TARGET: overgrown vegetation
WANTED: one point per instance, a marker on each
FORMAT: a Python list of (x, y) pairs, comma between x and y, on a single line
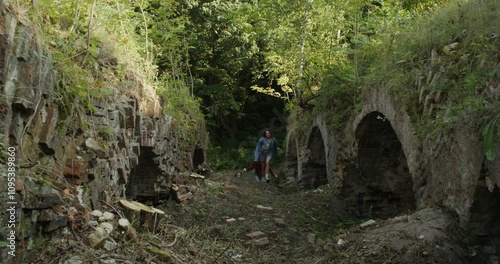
[(444, 68), (100, 48)]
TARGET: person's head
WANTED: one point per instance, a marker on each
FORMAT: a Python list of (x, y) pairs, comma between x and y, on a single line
[(267, 133)]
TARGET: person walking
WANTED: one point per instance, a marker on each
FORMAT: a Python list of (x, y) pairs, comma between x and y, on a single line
[(266, 146)]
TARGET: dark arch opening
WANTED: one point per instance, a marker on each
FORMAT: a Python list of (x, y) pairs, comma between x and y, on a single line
[(485, 216), (198, 157), (143, 184), (314, 169), (386, 185)]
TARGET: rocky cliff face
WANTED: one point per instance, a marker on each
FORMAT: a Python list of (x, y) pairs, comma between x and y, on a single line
[(69, 160)]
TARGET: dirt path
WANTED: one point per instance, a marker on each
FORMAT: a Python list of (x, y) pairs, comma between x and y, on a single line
[(296, 226), (306, 227)]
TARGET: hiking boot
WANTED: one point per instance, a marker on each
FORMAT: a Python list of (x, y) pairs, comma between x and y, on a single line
[(267, 178)]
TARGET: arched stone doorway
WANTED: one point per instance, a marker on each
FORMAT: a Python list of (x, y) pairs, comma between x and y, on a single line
[(384, 187), (198, 157), (485, 217), (314, 172), (144, 180)]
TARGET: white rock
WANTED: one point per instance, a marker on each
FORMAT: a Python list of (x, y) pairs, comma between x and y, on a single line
[(340, 242), (421, 237), (96, 213), (108, 216), (241, 218), (230, 220)]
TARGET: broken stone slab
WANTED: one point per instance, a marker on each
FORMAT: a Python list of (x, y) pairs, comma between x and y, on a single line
[(47, 138), (367, 223), (93, 146), (279, 222), (261, 242), (264, 208), (40, 196), (255, 235)]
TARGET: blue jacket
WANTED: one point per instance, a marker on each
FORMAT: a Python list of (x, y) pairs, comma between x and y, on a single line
[(261, 146)]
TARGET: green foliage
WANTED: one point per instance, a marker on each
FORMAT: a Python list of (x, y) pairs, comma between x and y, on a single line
[(488, 134), (3, 244), (185, 109), (404, 60)]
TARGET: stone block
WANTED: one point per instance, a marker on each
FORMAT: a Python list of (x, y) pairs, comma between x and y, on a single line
[(279, 222), (47, 138), (76, 172), (46, 215), (15, 129), (58, 222), (25, 98), (39, 196), (261, 242), (24, 43), (129, 113), (264, 208)]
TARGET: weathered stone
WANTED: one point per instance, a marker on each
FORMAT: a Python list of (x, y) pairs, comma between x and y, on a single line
[(279, 222), (40, 197), (92, 145), (261, 242), (129, 113), (255, 235), (76, 172), (47, 215), (264, 208), (58, 222), (25, 97)]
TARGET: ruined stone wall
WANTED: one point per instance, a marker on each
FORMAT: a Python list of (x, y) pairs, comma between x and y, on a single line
[(311, 157), (445, 169), (71, 161)]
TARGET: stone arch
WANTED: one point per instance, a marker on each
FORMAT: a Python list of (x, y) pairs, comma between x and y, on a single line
[(198, 156), (314, 171), (384, 186), (484, 214), (379, 101), (292, 165)]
